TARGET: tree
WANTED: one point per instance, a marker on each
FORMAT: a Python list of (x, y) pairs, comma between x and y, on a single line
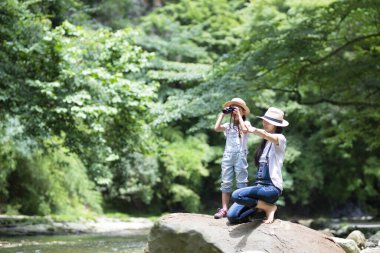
[(318, 61), (79, 85)]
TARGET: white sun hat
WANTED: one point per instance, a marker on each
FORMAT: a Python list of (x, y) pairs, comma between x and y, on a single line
[(275, 117)]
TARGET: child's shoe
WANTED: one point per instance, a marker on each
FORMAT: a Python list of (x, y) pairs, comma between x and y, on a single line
[(220, 214)]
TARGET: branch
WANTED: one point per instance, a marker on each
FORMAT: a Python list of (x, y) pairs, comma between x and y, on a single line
[(340, 103), (299, 99), (373, 93), (336, 51)]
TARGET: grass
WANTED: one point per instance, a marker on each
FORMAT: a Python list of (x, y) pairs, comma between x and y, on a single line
[(127, 217)]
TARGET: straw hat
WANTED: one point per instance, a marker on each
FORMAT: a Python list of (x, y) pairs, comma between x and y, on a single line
[(238, 102), (274, 116)]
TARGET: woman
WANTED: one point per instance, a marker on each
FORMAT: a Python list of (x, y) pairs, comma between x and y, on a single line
[(269, 158)]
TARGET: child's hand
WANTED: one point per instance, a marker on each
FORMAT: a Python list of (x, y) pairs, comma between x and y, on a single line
[(237, 111)]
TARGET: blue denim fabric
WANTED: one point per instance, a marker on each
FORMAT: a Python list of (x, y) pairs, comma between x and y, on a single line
[(246, 198), (262, 175), (234, 164), (249, 196), (240, 213)]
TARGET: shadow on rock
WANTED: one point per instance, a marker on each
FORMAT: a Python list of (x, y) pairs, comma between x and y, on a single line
[(244, 231)]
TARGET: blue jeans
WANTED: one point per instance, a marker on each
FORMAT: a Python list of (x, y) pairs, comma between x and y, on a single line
[(246, 200), (240, 213), (249, 196)]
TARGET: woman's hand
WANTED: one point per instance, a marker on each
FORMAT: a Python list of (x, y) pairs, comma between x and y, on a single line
[(251, 129)]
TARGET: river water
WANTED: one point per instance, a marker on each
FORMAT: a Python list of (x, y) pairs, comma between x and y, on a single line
[(74, 244)]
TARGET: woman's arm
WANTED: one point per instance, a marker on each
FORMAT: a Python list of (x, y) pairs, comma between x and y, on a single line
[(264, 134), (218, 127)]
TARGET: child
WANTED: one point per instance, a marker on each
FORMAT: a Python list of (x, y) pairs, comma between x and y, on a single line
[(234, 160)]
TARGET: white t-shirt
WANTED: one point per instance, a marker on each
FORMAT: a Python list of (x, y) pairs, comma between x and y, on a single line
[(234, 143), (276, 159)]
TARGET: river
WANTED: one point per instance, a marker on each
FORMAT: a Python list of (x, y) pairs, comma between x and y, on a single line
[(74, 244)]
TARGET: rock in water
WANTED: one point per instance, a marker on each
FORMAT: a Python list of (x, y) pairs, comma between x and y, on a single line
[(189, 233), (358, 237)]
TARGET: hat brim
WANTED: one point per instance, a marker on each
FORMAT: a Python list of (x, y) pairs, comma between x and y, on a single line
[(246, 109), (283, 124)]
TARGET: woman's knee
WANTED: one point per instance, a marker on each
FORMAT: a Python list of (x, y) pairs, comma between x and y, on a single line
[(235, 195), (269, 194), (233, 219), (234, 212)]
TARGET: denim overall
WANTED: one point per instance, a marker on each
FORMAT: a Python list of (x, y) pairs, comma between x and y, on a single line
[(234, 162), (246, 199), (262, 175)]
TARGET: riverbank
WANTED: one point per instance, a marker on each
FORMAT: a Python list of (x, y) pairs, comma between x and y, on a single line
[(13, 225), (19, 225)]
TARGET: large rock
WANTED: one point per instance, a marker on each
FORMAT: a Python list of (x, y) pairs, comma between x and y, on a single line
[(184, 233)]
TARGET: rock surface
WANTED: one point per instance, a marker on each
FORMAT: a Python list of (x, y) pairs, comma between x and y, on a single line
[(375, 239), (358, 237), (348, 245), (370, 250), (184, 233)]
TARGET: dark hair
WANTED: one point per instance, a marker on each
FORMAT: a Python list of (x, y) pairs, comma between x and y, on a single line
[(233, 116), (260, 149)]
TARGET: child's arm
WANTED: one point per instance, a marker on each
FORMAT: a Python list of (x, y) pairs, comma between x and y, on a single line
[(242, 124), (247, 125), (264, 134), (218, 127)]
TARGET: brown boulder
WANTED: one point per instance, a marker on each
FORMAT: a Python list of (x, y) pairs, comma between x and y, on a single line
[(182, 232)]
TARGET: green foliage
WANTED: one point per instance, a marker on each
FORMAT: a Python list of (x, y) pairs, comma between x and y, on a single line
[(51, 182), (80, 103), (116, 14), (186, 197), (184, 161), (82, 86), (185, 158), (13, 144), (74, 81), (193, 30), (319, 61), (135, 178), (100, 97), (177, 74), (56, 11)]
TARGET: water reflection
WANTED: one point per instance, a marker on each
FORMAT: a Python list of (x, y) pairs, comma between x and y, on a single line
[(74, 244)]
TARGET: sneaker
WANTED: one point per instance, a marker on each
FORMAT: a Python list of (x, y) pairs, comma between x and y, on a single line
[(220, 214)]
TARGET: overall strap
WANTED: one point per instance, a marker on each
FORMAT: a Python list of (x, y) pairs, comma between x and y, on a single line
[(267, 156)]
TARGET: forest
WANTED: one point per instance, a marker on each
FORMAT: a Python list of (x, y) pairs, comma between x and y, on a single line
[(111, 104)]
